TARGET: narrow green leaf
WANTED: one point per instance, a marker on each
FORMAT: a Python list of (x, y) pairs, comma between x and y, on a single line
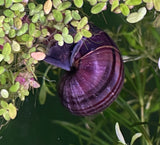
[(98, 8), (42, 94), (119, 134), (135, 137)]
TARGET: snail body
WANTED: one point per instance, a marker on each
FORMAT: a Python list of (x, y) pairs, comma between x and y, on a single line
[(95, 74)]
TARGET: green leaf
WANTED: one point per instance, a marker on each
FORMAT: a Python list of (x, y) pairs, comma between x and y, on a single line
[(65, 31), (8, 3), (2, 40), (76, 15), (35, 18), (77, 37), (68, 39), (12, 33), (3, 79), (137, 16), (86, 33), (60, 43), (6, 27), (14, 88), (38, 8), (56, 3), (82, 23), (18, 23), (68, 18), (23, 30), (6, 116), (25, 37), (92, 2), (12, 111), (6, 49), (32, 28), (8, 13), (57, 15), (42, 94), (74, 23), (63, 6), (17, 7), (156, 5), (98, 8), (133, 2), (4, 93), (135, 137), (119, 134), (37, 33), (2, 34), (4, 104), (15, 46), (2, 70), (124, 9), (115, 4), (17, 1), (58, 37), (44, 32), (78, 3), (1, 2), (31, 6), (2, 111), (1, 58)]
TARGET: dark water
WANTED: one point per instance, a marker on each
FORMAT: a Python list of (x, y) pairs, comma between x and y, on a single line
[(33, 125)]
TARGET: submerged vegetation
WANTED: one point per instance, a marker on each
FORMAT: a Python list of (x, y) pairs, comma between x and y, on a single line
[(29, 28)]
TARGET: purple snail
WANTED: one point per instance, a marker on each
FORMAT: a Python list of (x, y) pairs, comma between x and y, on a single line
[(95, 73)]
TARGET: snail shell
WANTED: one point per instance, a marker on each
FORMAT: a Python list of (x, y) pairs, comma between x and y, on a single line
[(95, 73)]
